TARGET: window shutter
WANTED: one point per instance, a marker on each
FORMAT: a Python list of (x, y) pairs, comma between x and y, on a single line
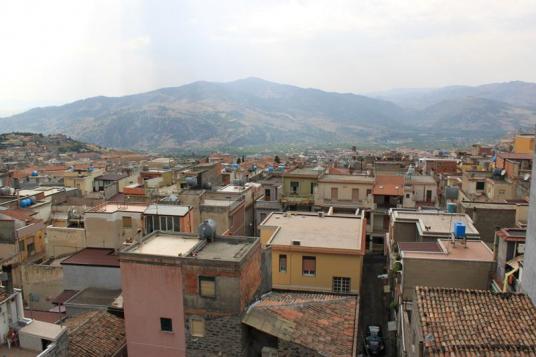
[(208, 287), (198, 327), (309, 264)]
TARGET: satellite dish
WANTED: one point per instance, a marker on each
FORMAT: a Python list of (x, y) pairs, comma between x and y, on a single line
[(503, 172)]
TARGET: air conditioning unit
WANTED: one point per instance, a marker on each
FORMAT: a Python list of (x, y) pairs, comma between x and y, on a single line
[(296, 242)]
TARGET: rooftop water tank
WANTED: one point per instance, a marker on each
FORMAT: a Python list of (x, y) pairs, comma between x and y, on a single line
[(25, 202), (191, 181), (452, 207), (207, 229), (6, 191), (451, 193), (459, 230), (270, 169), (35, 173)]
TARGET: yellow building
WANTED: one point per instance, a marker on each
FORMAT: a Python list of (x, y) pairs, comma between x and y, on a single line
[(299, 187), (524, 144), (315, 252), (81, 179)]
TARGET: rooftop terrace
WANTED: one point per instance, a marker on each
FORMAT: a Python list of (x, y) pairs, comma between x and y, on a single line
[(445, 250), (311, 230), (187, 245)]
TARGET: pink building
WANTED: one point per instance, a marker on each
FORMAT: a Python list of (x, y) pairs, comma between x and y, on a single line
[(185, 295)]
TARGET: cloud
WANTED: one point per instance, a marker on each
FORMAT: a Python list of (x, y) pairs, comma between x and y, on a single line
[(137, 43)]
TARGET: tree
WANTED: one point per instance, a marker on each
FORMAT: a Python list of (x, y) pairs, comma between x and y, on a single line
[(277, 159), (238, 161)]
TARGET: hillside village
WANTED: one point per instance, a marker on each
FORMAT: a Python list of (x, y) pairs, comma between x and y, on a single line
[(115, 253)]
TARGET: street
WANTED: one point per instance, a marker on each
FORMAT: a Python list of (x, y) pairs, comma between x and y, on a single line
[(373, 304)]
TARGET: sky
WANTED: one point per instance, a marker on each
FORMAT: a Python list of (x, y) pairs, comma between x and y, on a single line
[(58, 51)]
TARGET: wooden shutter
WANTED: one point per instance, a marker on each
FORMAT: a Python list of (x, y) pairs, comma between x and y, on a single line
[(197, 327)]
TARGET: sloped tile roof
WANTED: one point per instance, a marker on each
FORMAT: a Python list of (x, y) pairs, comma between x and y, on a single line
[(321, 322), (389, 185), (95, 333), (465, 322)]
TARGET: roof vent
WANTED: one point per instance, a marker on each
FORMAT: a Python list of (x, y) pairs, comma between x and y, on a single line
[(296, 242)]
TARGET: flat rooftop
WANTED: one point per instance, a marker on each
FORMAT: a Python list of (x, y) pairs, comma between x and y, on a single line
[(103, 257), (167, 210), (43, 329), (112, 207), (233, 189), (170, 245), (187, 245), (94, 296), (471, 250), (430, 223), (335, 232), (347, 179), (307, 171), (225, 248), (219, 203)]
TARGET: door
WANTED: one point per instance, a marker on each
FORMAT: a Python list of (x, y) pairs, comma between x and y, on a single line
[(334, 193), (428, 195), (355, 194)]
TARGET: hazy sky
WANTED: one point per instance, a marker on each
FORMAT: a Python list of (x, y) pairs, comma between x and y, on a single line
[(58, 51)]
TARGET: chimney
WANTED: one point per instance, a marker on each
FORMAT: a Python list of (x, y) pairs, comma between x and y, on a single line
[(7, 278)]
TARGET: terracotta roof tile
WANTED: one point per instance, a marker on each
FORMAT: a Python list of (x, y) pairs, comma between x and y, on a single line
[(322, 322), (476, 322), (95, 333), (389, 185)]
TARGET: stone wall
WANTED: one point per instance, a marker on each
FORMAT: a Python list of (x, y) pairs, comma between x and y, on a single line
[(224, 336)]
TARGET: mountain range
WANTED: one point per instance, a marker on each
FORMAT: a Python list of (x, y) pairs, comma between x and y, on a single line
[(254, 112)]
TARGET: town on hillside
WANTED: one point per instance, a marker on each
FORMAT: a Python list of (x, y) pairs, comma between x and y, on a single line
[(339, 252)]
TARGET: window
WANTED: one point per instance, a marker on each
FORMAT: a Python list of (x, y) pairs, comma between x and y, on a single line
[(334, 193), (22, 246), (31, 249), (127, 222), (294, 186), (369, 191), (267, 194), (480, 185), (176, 224), (166, 324), (341, 284), (197, 327), (312, 188), (207, 286), (408, 195), (282, 263), (309, 266)]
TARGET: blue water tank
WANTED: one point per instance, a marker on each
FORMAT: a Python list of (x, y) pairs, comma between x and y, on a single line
[(459, 229), (270, 169), (35, 173), (281, 167), (25, 202), (452, 207)]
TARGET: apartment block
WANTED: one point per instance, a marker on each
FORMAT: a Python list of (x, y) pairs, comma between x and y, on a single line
[(315, 252), (299, 188), (184, 294), (444, 263)]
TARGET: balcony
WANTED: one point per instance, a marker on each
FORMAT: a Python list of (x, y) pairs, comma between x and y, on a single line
[(294, 198)]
